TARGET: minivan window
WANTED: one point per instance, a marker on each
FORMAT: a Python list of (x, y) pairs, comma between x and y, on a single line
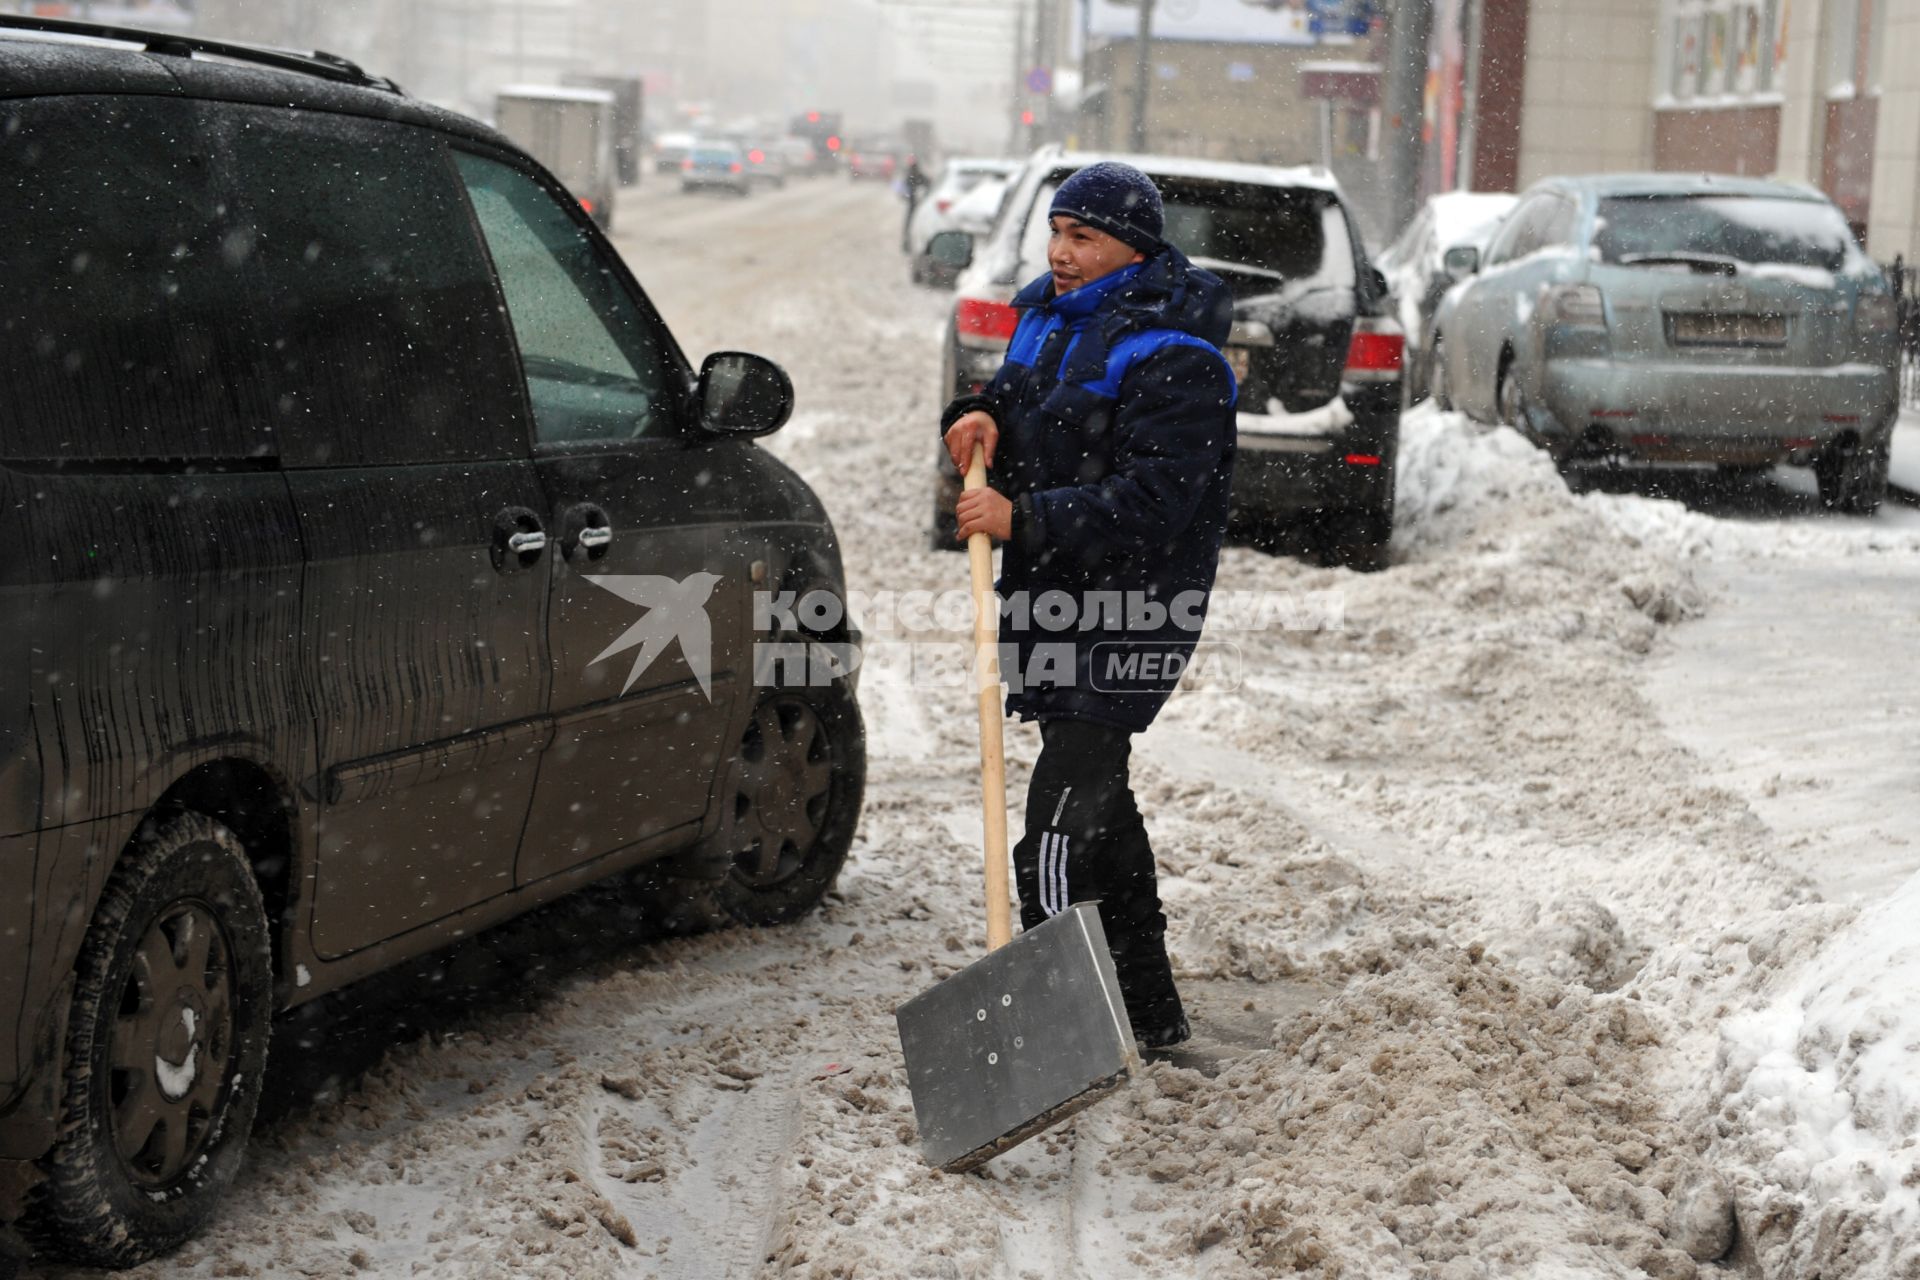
[(127, 326), (1760, 229), (595, 371), (384, 342)]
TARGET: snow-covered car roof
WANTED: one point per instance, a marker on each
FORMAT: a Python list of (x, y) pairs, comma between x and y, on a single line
[(556, 93), (1682, 184), (982, 164), (1311, 176), (1468, 217)]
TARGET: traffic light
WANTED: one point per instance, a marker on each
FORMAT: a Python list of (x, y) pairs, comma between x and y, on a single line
[(1026, 118)]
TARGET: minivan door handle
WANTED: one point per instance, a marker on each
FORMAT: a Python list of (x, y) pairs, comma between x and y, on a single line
[(518, 539), (586, 531)]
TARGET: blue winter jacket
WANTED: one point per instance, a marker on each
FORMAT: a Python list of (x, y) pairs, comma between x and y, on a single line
[(1116, 417)]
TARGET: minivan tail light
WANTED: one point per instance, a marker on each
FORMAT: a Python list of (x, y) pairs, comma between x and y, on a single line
[(982, 318), (1375, 353), (1577, 304)]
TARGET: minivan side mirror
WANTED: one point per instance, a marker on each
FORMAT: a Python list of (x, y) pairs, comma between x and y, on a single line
[(743, 395), (951, 250), (1461, 261)]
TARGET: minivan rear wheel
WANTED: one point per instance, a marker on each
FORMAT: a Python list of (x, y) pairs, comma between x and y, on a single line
[(166, 1044)]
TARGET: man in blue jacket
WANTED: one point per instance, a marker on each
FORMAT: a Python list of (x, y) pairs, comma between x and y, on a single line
[(1109, 440)]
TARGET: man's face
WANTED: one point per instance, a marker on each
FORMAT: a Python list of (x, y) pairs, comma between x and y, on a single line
[(1080, 254)]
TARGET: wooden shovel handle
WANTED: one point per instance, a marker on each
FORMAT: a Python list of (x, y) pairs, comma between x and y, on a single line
[(993, 759)]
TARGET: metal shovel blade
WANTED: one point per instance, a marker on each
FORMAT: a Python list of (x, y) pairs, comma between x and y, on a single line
[(1016, 1042)]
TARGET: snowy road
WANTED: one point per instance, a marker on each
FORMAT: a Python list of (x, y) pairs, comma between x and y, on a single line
[(1477, 908)]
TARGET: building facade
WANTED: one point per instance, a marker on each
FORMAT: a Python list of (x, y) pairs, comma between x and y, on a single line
[(1825, 92)]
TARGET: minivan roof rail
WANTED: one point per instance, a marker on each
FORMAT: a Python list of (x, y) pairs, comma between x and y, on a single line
[(314, 62)]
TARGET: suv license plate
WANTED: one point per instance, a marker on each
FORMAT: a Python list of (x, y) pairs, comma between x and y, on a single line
[(1729, 329)]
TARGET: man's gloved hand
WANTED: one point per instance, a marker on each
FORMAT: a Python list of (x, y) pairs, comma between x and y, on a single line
[(967, 430)]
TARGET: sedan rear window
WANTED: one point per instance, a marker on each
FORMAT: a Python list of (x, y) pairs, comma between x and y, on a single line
[(1761, 229)]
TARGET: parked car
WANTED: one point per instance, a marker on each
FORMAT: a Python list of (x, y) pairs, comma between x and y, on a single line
[(570, 131), (1665, 318), (711, 165), (670, 150), (934, 213), (880, 158), (767, 163), (1313, 344), (974, 213), (381, 570), (798, 153), (1416, 271)]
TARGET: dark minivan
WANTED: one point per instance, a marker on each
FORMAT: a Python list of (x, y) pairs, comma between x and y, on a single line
[(380, 569)]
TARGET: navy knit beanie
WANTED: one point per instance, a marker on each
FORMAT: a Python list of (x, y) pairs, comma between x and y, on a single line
[(1116, 198)]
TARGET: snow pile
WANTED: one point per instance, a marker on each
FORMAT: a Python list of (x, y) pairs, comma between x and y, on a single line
[(1819, 1102), (1443, 1115), (1462, 484), (1495, 514)]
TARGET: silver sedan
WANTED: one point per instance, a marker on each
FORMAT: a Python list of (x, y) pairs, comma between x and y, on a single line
[(1667, 318)]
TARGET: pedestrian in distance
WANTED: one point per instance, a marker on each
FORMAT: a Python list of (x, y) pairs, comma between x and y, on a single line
[(1109, 441), (916, 185)]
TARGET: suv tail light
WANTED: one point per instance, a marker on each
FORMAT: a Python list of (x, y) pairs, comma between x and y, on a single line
[(1577, 304), (1875, 313), (984, 318), (1376, 350), (687, 164)]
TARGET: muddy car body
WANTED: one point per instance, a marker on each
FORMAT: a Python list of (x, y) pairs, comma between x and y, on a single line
[(344, 512)]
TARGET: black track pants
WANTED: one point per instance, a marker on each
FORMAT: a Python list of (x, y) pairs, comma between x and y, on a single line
[(1085, 840)]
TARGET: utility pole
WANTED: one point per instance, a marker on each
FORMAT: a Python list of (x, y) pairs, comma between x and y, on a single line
[(1142, 74), (1403, 85), (1018, 84), (1043, 20)]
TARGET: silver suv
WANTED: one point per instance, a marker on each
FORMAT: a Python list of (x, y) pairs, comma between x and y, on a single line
[(1664, 318)]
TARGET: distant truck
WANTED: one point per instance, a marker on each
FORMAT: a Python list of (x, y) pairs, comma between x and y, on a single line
[(628, 116), (919, 139), (569, 130)]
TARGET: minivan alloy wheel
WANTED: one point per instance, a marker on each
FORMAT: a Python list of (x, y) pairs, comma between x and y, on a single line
[(799, 777), (784, 788)]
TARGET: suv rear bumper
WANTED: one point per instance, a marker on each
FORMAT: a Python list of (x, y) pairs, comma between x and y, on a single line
[(1298, 476), (1672, 411)]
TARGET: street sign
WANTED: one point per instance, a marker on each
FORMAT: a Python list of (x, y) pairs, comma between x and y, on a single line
[(1039, 80)]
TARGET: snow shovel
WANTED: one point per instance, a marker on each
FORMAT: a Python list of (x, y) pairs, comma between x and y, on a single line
[(1036, 1031)]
